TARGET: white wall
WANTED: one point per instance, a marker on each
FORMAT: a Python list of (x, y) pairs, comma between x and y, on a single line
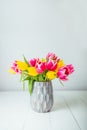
[(36, 27)]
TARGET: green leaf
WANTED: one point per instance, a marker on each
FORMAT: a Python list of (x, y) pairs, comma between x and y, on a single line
[(26, 60), (22, 74), (40, 78), (30, 85), (26, 78)]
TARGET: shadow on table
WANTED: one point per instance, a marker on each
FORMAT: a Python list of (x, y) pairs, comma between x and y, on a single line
[(71, 102)]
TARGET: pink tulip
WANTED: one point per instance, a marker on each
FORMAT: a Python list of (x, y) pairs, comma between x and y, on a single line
[(15, 68), (32, 62), (70, 68), (51, 65), (64, 72), (40, 67), (52, 56)]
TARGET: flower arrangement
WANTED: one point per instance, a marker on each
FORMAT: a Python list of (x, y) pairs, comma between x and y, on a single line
[(41, 70)]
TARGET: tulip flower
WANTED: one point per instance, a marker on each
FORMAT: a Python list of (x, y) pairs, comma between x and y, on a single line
[(32, 71), (52, 56), (64, 72), (14, 68), (51, 75), (21, 65), (32, 62), (40, 67), (70, 68), (60, 64), (51, 65)]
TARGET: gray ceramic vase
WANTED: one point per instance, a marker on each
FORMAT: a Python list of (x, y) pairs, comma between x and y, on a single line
[(41, 98)]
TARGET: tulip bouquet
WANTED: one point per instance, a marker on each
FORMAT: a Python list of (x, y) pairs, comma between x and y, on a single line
[(41, 70)]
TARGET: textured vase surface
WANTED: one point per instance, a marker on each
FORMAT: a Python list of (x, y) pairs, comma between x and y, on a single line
[(42, 97)]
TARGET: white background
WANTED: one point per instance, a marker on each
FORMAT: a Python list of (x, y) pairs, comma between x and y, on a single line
[(36, 27)]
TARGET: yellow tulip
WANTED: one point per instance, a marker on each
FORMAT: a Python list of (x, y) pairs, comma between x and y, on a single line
[(32, 71), (51, 75), (43, 60), (60, 64), (22, 65), (11, 71)]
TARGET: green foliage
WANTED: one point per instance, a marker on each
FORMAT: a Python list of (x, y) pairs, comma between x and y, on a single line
[(26, 60), (30, 85), (31, 79)]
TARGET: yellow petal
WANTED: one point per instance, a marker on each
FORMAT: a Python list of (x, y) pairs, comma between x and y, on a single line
[(22, 65), (51, 75), (32, 71), (11, 71), (43, 60), (60, 64)]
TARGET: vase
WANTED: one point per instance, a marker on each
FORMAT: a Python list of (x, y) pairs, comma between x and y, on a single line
[(41, 99)]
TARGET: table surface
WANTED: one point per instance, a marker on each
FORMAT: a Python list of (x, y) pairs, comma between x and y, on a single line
[(69, 112)]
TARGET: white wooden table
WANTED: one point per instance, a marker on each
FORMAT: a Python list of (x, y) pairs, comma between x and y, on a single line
[(68, 113)]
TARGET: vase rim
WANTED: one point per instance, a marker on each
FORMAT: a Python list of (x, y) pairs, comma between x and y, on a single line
[(43, 81)]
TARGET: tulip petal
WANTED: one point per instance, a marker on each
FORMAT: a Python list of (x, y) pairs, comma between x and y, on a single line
[(22, 65), (51, 75), (11, 71), (32, 71)]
